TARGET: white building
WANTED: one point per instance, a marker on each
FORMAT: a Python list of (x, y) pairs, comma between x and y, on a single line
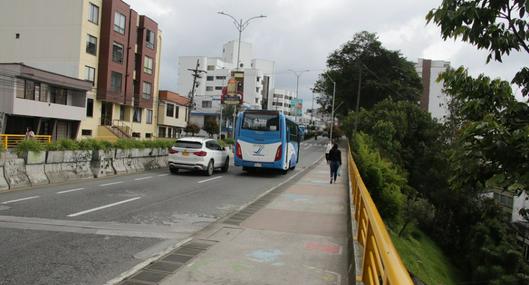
[(281, 100), (258, 79), (433, 99)]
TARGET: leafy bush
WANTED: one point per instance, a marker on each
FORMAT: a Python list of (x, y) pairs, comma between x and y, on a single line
[(192, 128), (68, 144), (124, 144), (229, 141), (384, 181), (29, 145)]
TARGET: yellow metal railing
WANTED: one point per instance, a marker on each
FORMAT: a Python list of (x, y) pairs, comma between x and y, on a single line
[(11, 141), (381, 262)]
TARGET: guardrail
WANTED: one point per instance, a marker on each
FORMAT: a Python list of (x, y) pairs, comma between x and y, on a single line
[(381, 261), (11, 141)]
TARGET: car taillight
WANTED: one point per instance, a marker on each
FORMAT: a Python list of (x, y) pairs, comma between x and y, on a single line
[(200, 153), (172, 150), (279, 152), (238, 153)]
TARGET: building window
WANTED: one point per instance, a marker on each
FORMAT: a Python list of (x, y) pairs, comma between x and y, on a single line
[(209, 88), (169, 132), (149, 116), (257, 89), (91, 45), (206, 104), (210, 78), (136, 135), (29, 90), (93, 13), (44, 92), (218, 87), (177, 112), (161, 132), (89, 107), (211, 67), (148, 135), (137, 115), (149, 39), (169, 112), (117, 53), (119, 23), (85, 132), (147, 90), (147, 65), (115, 83), (221, 77), (58, 95), (122, 112), (90, 74)]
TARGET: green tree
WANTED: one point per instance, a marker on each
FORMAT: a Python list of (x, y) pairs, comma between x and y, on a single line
[(384, 74), (192, 129), (211, 126), (500, 27)]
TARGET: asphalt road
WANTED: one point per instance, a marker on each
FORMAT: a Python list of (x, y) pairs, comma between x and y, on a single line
[(93, 231)]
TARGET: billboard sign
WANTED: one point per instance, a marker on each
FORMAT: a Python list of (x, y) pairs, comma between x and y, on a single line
[(232, 94), (296, 106)]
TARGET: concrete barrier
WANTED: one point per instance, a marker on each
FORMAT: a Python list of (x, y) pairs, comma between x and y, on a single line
[(35, 167), (3, 182), (121, 161), (15, 173), (69, 164), (101, 163)]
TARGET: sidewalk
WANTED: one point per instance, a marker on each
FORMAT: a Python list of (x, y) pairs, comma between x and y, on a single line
[(294, 235)]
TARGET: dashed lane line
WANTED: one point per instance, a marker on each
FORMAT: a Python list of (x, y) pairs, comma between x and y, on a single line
[(143, 178), (111, 183), (161, 175), (202, 181), (21, 199), (102, 207), (71, 190)]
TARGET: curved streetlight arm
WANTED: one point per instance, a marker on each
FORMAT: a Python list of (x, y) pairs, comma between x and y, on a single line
[(235, 21), (247, 22)]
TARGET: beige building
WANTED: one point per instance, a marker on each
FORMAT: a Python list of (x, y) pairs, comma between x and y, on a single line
[(172, 114), (103, 41)]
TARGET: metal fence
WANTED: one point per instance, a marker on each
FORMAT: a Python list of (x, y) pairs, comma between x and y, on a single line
[(11, 141), (381, 261)]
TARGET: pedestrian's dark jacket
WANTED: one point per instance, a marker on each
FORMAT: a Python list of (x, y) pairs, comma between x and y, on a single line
[(335, 155)]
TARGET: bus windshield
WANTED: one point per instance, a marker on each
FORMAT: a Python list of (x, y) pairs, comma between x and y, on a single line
[(261, 122)]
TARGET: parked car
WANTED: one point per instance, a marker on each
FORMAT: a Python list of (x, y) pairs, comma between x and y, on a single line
[(198, 154)]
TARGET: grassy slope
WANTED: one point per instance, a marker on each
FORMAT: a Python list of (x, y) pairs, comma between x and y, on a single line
[(425, 259)]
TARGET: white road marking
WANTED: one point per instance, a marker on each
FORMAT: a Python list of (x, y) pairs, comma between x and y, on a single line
[(202, 181), (307, 147), (103, 207), (71, 190), (161, 175), (143, 178), (112, 183), (21, 199)]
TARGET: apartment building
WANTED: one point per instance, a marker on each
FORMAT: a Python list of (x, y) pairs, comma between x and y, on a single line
[(172, 114), (281, 101), (102, 41), (258, 80), (433, 99), (48, 103)]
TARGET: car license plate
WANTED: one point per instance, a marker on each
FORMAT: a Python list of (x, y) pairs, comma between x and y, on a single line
[(257, 165), (185, 153)]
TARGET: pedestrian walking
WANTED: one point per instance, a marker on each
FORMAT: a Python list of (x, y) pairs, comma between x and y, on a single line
[(335, 161), (29, 133)]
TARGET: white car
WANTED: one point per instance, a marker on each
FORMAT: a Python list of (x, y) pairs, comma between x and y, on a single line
[(198, 154)]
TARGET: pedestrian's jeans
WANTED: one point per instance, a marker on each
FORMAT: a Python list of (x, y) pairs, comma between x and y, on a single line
[(334, 169)]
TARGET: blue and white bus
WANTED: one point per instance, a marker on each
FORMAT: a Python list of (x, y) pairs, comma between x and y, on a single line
[(266, 139)]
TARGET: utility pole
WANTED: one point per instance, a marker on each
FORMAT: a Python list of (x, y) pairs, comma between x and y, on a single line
[(196, 74), (358, 96), (312, 110), (298, 74)]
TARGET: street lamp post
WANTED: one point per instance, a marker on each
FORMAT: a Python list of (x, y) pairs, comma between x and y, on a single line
[(298, 75), (333, 96), (240, 25)]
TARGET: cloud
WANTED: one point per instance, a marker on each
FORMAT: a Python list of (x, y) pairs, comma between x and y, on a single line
[(301, 34)]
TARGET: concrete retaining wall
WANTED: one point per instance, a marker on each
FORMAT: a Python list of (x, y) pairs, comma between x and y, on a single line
[(67, 165), (60, 166), (102, 163), (35, 167)]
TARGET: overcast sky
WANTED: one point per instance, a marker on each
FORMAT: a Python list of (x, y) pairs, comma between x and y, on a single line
[(300, 34)]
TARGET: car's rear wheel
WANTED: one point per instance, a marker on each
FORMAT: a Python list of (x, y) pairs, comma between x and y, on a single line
[(209, 169), (173, 170), (226, 165)]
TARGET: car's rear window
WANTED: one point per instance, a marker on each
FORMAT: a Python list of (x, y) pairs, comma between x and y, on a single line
[(188, 144)]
